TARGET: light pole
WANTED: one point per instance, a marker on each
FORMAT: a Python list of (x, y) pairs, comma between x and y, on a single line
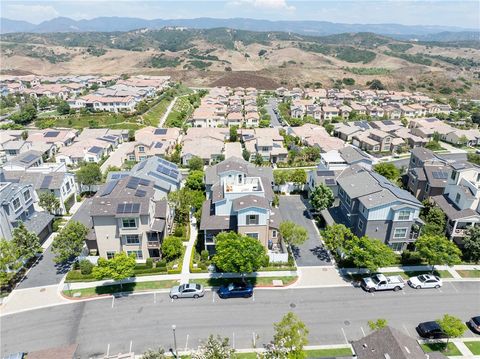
[(175, 340)]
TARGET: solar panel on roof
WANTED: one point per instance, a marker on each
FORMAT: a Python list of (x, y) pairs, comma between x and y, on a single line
[(326, 173), (160, 131), (158, 145), (133, 183), (128, 208), (141, 165), (388, 122), (115, 176), (135, 208), (329, 181), (140, 193), (51, 134), (46, 181), (109, 188), (28, 158), (143, 182), (95, 149), (440, 175)]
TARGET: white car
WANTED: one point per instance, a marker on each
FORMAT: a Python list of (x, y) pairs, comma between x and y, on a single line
[(425, 281)]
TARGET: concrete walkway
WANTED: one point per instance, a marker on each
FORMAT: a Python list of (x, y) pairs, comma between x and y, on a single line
[(185, 275), (169, 109), (32, 298)]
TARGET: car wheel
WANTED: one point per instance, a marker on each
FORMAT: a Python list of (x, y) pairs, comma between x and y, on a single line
[(195, 296), (175, 297), (396, 289), (437, 286), (418, 287), (371, 290)]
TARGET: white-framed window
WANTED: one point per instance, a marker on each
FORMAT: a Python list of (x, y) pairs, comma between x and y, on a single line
[(397, 247), (26, 195), (274, 233), (132, 239), (110, 254), (252, 235), (138, 254), (400, 232), (131, 157), (16, 204), (404, 215), (376, 148), (129, 223), (141, 149), (360, 225)]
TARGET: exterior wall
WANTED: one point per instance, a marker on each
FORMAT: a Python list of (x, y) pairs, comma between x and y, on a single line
[(261, 230)]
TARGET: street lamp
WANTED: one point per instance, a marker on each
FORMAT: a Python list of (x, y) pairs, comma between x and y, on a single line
[(175, 340)]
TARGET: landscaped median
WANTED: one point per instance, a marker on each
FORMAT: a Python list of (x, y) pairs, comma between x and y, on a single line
[(473, 273), (451, 350)]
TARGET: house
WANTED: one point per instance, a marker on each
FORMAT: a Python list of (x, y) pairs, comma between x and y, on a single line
[(329, 112), (370, 205), (420, 157), (373, 140), (87, 150), (206, 143), (241, 202), (28, 159), (17, 205), (412, 140), (390, 343), (127, 216), (10, 148), (463, 137), (346, 131), (266, 142), (59, 138), (233, 149), (428, 127), (428, 181), (60, 183), (314, 135), (461, 199)]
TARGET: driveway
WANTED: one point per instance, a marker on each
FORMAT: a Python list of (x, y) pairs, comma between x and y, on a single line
[(312, 252), (46, 272), (271, 104)]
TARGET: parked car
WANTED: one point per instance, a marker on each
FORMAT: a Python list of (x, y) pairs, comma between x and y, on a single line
[(425, 281), (475, 324), (236, 290), (430, 330), (382, 282), (189, 290)]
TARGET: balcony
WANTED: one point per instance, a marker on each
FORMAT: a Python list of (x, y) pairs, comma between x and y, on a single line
[(250, 184), (153, 244)]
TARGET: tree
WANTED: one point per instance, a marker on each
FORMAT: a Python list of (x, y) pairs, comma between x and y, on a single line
[(233, 133), (49, 202), (154, 354), (336, 237), (298, 177), (370, 253), (121, 266), (437, 250), (43, 102), (292, 233), (27, 243), (89, 174), (214, 348), (378, 324), (452, 326), (194, 181), (246, 155), (292, 334), (69, 241), (172, 248), (258, 159), (435, 221), (388, 170), (63, 108), (237, 253), (375, 85), (321, 197), (195, 163), (471, 244), (9, 263)]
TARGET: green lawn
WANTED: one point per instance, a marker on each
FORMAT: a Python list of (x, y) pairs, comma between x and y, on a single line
[(116, 288), (152, 116), (452, 349), (474, 347), (316, 353), (97, 120), (469, 273), (258, 281), (182, 106)]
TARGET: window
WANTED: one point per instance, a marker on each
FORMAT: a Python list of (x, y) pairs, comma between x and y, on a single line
[(16, 204), (274, 233), (457, 198), (131, 157), (67, 187), (141, 149), (400, 232), (138, 254), (252, 235), (341, 191), (404, 215), (360, 225), (110, 254), (427, 187), (454, 175), (376, 148), (129, 223), (252, 219), (397, 247), (478, 177), (348, 200), (132, 239), (27, 195)]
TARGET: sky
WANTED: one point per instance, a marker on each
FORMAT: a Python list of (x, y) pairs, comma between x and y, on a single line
[(461, 13)]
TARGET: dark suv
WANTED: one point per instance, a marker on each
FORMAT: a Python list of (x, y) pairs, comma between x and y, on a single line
[(236, 290), (430, 330)]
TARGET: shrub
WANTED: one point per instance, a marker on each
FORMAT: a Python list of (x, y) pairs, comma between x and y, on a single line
[(56, 224), (411, 258), (85, 267), (172, 248), (149, 263), (162, 263), (178, 231), (204, 255), (76, 266), (77, 276)]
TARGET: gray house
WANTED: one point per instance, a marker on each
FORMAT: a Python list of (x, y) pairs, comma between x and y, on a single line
[(372, 206)]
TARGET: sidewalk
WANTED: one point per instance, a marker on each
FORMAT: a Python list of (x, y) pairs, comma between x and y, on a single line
[(169, 109), (31, 298), (185, 275)]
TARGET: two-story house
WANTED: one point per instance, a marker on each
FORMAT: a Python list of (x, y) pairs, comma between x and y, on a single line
[(127, 216), (242, 202)]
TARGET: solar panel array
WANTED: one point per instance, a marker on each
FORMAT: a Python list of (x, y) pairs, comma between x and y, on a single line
[(326, 173), (95, 149), (172, 173), (117, 176), (128, 208), (143, 182), (362, 124), (51, 134), (329, 181), (440, 175), (158, 145), (388, 122), (109, 188), (133, 182), (140, 193), (28, 158), (160, 131), (141, 165), (166, 163), (46, 181)]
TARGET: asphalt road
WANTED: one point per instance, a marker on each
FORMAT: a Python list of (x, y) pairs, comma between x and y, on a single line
[(271, 104), (333, 316), (449, 156), (312, 252)]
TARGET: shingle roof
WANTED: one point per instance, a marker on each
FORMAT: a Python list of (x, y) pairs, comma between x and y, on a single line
[(210, 221), (250, 201), (451, 210), (37, 179)]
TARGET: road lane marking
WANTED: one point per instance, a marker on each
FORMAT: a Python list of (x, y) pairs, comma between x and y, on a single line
[(233, 340), (404, 327), (213, 296), (363, 331), (154, 297), (113, 300), (456, 290), (253, 297), (108, 349), (186, 344), (344, 335), (131, 344)]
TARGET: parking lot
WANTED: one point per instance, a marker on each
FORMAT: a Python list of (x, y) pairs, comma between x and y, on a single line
[(311, 253)]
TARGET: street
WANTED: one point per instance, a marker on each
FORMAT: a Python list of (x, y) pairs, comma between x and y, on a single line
[(271, 104), (333, 316)]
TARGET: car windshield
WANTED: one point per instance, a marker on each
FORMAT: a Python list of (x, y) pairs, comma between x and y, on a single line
[(231, 286), (375, 279), (181, 288), (422, 278)]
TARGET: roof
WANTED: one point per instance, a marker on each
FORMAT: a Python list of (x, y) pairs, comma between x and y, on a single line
[(165, 175), (210, 221), (353, 154), (65, 352), (249, 202), (51, 180), (388, 343), (38, 221), (26, 159), (451, 210), (237, 163)]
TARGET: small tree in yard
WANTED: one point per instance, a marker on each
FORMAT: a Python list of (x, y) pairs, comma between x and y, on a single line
[(336, 236), (69, 241), (27, 243), (471, 245), (437, 250), (9, 262), (238, 254), (321, 197), (233, 134), (388, 170), (172, 248), (121, 266), (434, 221), (378, 324), (291, 333), (370, 253), (194, 181), (214, 348), (48, 202), (452, 326), (258, 159), (292, 233), (195, 163), (89, 174)]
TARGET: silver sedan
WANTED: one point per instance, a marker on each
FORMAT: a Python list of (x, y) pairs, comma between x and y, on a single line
[(189, 290)]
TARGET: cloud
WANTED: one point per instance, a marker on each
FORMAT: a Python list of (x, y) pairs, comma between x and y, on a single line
[(265, 4), (31, 13)]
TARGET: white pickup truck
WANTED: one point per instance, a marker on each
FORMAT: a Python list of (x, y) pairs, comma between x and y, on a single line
[(381, 282)]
